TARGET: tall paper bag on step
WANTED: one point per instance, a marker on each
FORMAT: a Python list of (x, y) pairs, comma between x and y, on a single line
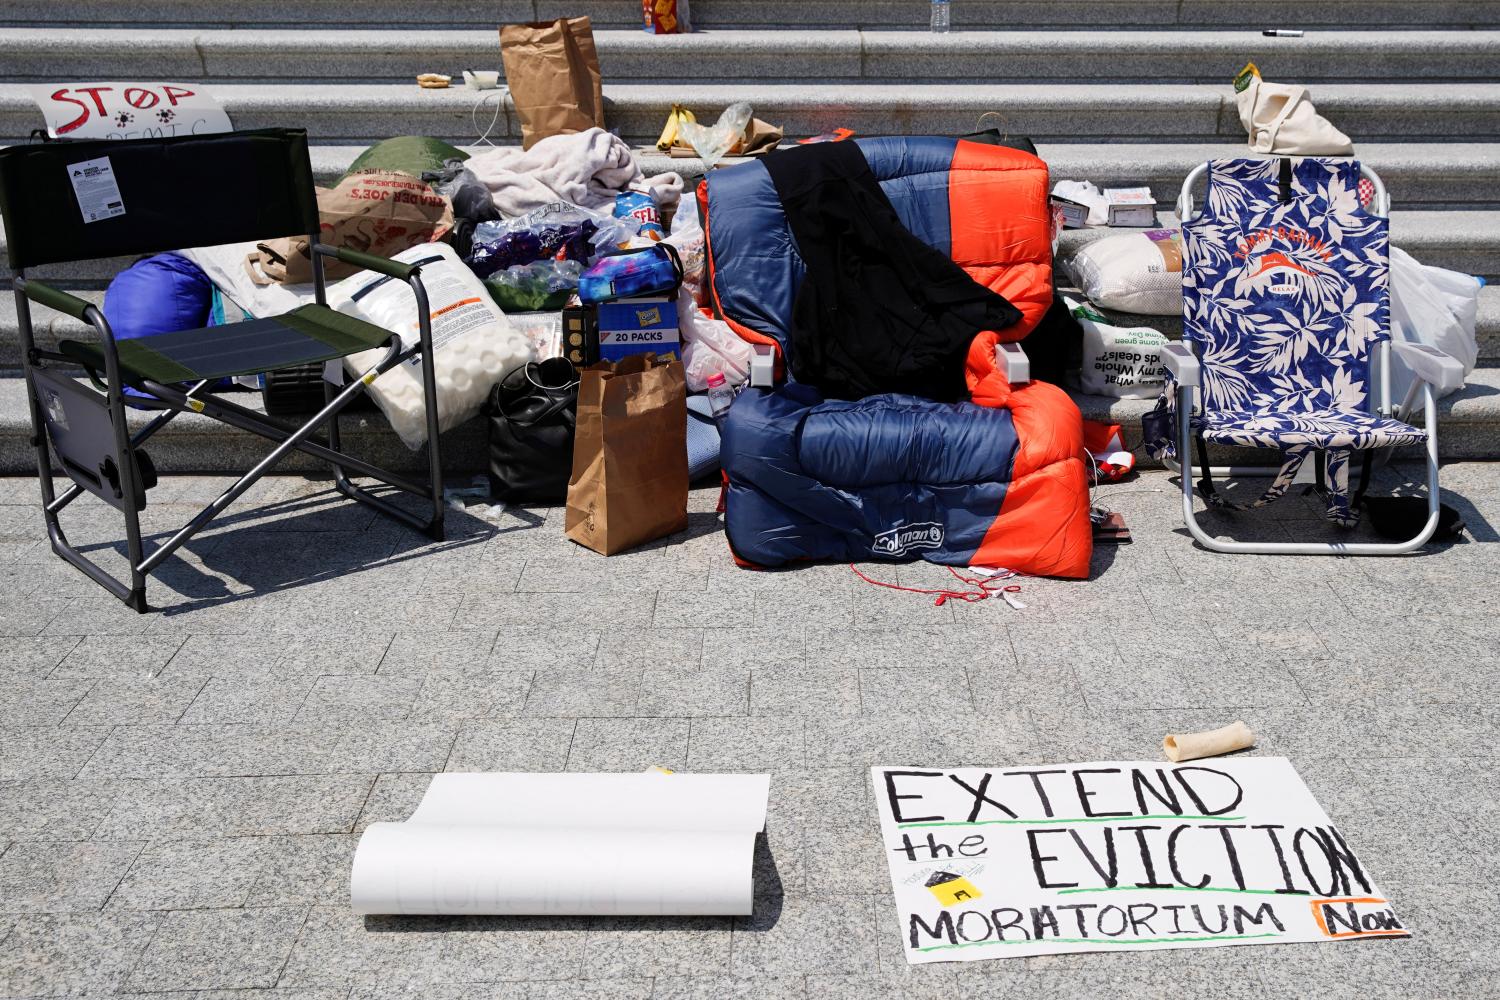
[(552, 71), (630, 479)]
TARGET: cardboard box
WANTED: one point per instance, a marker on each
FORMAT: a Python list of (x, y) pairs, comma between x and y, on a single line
[(635, 326), (1075, 214), (1131, 206)]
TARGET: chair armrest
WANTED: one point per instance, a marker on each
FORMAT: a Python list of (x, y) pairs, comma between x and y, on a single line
[(55, 298), (369, 261), (1180, 360), (1013, 363), (1442, 372)]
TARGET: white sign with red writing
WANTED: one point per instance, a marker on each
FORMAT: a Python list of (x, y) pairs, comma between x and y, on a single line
[(128, 110)]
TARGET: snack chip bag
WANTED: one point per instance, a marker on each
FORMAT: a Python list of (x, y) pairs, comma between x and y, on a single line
[(665, 17)]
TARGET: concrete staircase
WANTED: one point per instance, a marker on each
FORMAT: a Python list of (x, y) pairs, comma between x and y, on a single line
[(1116, 91)]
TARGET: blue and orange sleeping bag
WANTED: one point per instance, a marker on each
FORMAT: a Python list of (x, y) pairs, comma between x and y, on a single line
[(998, 479)]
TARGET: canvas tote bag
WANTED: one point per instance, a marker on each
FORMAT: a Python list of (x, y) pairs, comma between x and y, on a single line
[(1280, 118), (553, 74), (630, 478)]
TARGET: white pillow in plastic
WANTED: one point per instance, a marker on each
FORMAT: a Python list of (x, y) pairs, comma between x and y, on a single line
[(1124, 362), (474, 345), (1132, 272)]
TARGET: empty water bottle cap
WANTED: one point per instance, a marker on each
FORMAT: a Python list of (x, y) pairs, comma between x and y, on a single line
[(715, 380)]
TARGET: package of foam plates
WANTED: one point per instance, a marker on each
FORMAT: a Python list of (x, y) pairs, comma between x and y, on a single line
[(474, 345)]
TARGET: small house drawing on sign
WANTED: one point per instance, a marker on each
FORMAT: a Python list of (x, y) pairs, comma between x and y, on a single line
[(951, 889)]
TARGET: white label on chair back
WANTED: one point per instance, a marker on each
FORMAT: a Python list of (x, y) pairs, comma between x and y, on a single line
[(95, 188), (127, 110)]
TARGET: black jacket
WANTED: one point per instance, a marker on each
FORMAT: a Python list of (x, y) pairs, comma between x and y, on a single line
[(879, 310)]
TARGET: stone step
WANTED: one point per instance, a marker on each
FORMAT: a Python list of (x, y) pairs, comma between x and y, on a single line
[(195, 443), (1418, 175), (899, 14), (1426, 175), (822, 56), (1468, 421), (1486, 327), (1465, 112), (1432, 176), (1463, 241), (1469, 428)]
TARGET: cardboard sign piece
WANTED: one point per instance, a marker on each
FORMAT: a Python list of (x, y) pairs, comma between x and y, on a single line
[(119, 110)]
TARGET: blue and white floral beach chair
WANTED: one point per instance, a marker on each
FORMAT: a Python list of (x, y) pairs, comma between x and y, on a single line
[(1285, 324)]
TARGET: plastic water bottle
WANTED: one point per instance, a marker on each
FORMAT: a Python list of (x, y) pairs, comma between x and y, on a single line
[(940, 18), (720, 397)]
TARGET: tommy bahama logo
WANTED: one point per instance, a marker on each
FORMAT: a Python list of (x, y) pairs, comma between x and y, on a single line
[(905, 537), (1292, 238)]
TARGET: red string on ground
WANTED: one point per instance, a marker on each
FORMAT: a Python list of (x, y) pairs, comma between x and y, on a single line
[(981, 589)]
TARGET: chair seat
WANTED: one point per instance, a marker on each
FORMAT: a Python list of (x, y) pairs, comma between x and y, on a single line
[(1318, 428), (306, 335)]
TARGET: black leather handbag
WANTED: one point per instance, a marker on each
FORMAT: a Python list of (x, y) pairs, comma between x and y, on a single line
[(532, 414)]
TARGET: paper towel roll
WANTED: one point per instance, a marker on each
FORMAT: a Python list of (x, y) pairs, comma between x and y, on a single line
[(1191, 746)]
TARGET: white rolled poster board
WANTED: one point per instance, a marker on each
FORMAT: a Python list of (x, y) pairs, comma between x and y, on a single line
[(567, 845)]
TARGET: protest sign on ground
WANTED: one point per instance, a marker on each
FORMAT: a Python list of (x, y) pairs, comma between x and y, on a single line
[(1118, 856)]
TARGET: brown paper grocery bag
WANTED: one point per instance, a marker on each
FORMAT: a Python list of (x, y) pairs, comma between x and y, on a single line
[(630, 478), (374, 211), (553, 74)]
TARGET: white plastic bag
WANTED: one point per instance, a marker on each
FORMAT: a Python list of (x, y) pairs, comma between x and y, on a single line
[(686, 237), (1086, 194), (712, 142), (709, 346), (1124, 362), (1432, 306), (1132, 272), (474, 345)]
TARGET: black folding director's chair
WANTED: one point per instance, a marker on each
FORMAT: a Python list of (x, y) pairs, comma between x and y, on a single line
[(181, 192)]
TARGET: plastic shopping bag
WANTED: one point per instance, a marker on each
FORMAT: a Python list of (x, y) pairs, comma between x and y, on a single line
[(1432, 306), (709, 347), (712, 142)]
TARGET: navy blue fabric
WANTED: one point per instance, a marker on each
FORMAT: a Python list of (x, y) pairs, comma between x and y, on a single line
[(889, 477), (158, 294), (746, 224), (913, 173)]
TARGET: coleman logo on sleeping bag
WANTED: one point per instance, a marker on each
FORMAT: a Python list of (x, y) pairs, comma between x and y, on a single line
[(905, 537)]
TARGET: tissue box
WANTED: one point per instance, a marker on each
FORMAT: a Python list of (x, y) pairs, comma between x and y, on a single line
[(1131, 206), (635, 326)]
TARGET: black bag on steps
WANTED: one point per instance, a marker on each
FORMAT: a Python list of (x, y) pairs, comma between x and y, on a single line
[(531, 414)]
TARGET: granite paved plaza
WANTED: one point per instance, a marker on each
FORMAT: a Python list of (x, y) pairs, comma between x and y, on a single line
[(181, 792)]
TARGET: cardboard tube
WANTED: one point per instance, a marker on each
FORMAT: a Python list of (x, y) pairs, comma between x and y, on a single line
[(1191, 746)]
